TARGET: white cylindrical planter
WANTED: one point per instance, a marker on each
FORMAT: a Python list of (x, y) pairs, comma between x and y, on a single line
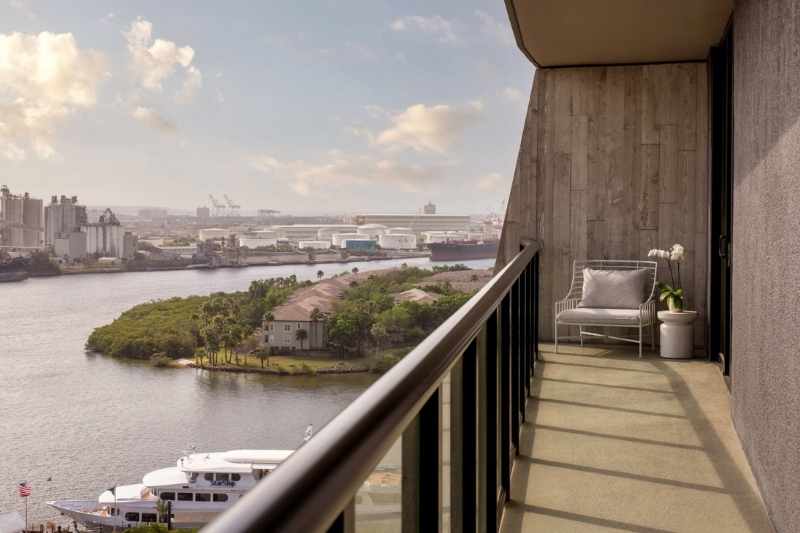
[(677, 334)]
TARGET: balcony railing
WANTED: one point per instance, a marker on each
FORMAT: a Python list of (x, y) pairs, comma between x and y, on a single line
[(478, 366)]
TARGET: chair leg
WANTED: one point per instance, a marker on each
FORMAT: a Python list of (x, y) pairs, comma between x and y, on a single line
[(555, 330), (640, 342), (580, 334)]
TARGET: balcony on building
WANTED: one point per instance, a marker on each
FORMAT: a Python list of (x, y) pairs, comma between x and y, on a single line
[(649, 123)]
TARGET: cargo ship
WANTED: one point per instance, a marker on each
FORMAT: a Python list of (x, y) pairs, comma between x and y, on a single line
[(463, 250), (14, 270)]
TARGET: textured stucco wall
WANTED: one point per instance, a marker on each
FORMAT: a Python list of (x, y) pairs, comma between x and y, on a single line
[(766, 249)]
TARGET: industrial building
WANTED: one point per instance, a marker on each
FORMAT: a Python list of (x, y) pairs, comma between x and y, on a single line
[(360, 245), (70, 245), (20, 220), (105, 237), (337, 239), (429, 208), (62, 218), (398, 241), (203, 213), (325, 233), (418, 223), (258, 239)]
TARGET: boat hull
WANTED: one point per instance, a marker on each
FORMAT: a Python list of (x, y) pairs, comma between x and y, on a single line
[(13, 275), (451, 251)]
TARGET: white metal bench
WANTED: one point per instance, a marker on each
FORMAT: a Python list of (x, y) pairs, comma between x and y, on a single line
[(567, 312)]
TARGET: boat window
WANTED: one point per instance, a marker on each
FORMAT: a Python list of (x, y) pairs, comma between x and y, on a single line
[(132, 517), (202, 497), (208, 476), (220, 497), (235, 477), (185, 496), (148, 517), (193, 477), (168, 496), (223, 477)]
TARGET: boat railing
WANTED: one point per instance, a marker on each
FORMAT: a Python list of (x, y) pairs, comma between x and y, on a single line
[(456, 401)]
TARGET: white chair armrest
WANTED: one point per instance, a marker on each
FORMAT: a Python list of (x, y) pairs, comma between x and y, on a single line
[(647, 312)]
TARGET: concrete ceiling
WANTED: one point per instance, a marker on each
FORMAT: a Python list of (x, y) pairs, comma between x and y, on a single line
[(602, 32)]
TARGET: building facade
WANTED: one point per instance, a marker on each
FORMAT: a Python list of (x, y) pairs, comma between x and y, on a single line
[(20, 220), (417, 223), (62, 217), (105, 237)]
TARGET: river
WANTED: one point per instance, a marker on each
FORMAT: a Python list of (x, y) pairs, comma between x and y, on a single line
[(73, 424)]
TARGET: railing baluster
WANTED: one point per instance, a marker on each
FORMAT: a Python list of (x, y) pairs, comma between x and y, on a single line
[(469, 455), (526, 359), (346, 521), (516, 324), (535, 298), (421, 471), (506, 439), (490, 451), (515, 366)]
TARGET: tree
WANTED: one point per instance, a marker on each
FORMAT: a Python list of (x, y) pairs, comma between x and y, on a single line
[(301, 335), (317, 315), (320, 274), (354, 270)]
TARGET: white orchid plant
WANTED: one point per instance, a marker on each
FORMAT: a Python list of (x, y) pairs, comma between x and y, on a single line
[(672, 294)]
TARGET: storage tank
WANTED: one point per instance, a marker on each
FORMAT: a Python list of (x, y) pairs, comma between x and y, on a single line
[(398, 241), (373, 230), (400, 231), (325, 233), (431, 237), (337, 239), (314, 245), (213, 233)]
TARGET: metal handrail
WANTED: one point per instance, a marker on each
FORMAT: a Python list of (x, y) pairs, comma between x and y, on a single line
[(312, 487)]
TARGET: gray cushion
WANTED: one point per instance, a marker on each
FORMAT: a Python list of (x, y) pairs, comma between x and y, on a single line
[(607, 317), (613, 289)]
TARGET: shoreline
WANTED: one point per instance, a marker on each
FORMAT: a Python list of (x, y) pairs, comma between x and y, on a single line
[(275, 371), (355, 259)]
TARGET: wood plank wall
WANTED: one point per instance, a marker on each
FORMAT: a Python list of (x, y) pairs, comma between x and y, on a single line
[(613, 162)]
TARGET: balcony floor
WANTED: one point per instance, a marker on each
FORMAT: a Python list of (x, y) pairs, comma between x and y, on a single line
[(615, 443)]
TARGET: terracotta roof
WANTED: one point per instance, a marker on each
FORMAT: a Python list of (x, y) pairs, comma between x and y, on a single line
[(415, 295), (322, 295)]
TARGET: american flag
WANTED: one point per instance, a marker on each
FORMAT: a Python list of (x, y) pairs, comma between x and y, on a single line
[(24, 489)]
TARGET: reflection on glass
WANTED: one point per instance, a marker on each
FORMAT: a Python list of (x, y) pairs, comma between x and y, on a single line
[(378, 502)]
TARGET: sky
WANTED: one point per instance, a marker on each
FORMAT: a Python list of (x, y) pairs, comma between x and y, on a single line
[(321, 107)]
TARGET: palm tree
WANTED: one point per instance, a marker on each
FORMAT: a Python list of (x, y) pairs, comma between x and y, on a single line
[(301, 335), (320, 274)]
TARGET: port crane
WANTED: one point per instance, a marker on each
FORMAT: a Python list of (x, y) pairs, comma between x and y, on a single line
[(234, 208), (219, 207)]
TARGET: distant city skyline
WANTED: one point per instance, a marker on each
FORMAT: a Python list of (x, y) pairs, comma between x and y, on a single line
[(328, 109)]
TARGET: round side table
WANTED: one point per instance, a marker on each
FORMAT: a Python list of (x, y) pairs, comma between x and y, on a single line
[(677, 334)]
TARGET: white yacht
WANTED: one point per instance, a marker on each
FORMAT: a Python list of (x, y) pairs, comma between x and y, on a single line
[(196, 490)]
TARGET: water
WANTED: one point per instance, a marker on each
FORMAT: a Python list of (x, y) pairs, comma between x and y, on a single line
[(89, 422)]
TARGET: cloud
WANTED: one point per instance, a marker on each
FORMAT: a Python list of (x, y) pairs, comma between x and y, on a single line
[(512, 94), (429, 128), (45, 78), (439, 27), (490, 182), (153, 119), (337, 169), (154, 61), (23, 7), (499, 31)]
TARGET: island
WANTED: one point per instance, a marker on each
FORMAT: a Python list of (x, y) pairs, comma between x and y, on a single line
[(351, 322)]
